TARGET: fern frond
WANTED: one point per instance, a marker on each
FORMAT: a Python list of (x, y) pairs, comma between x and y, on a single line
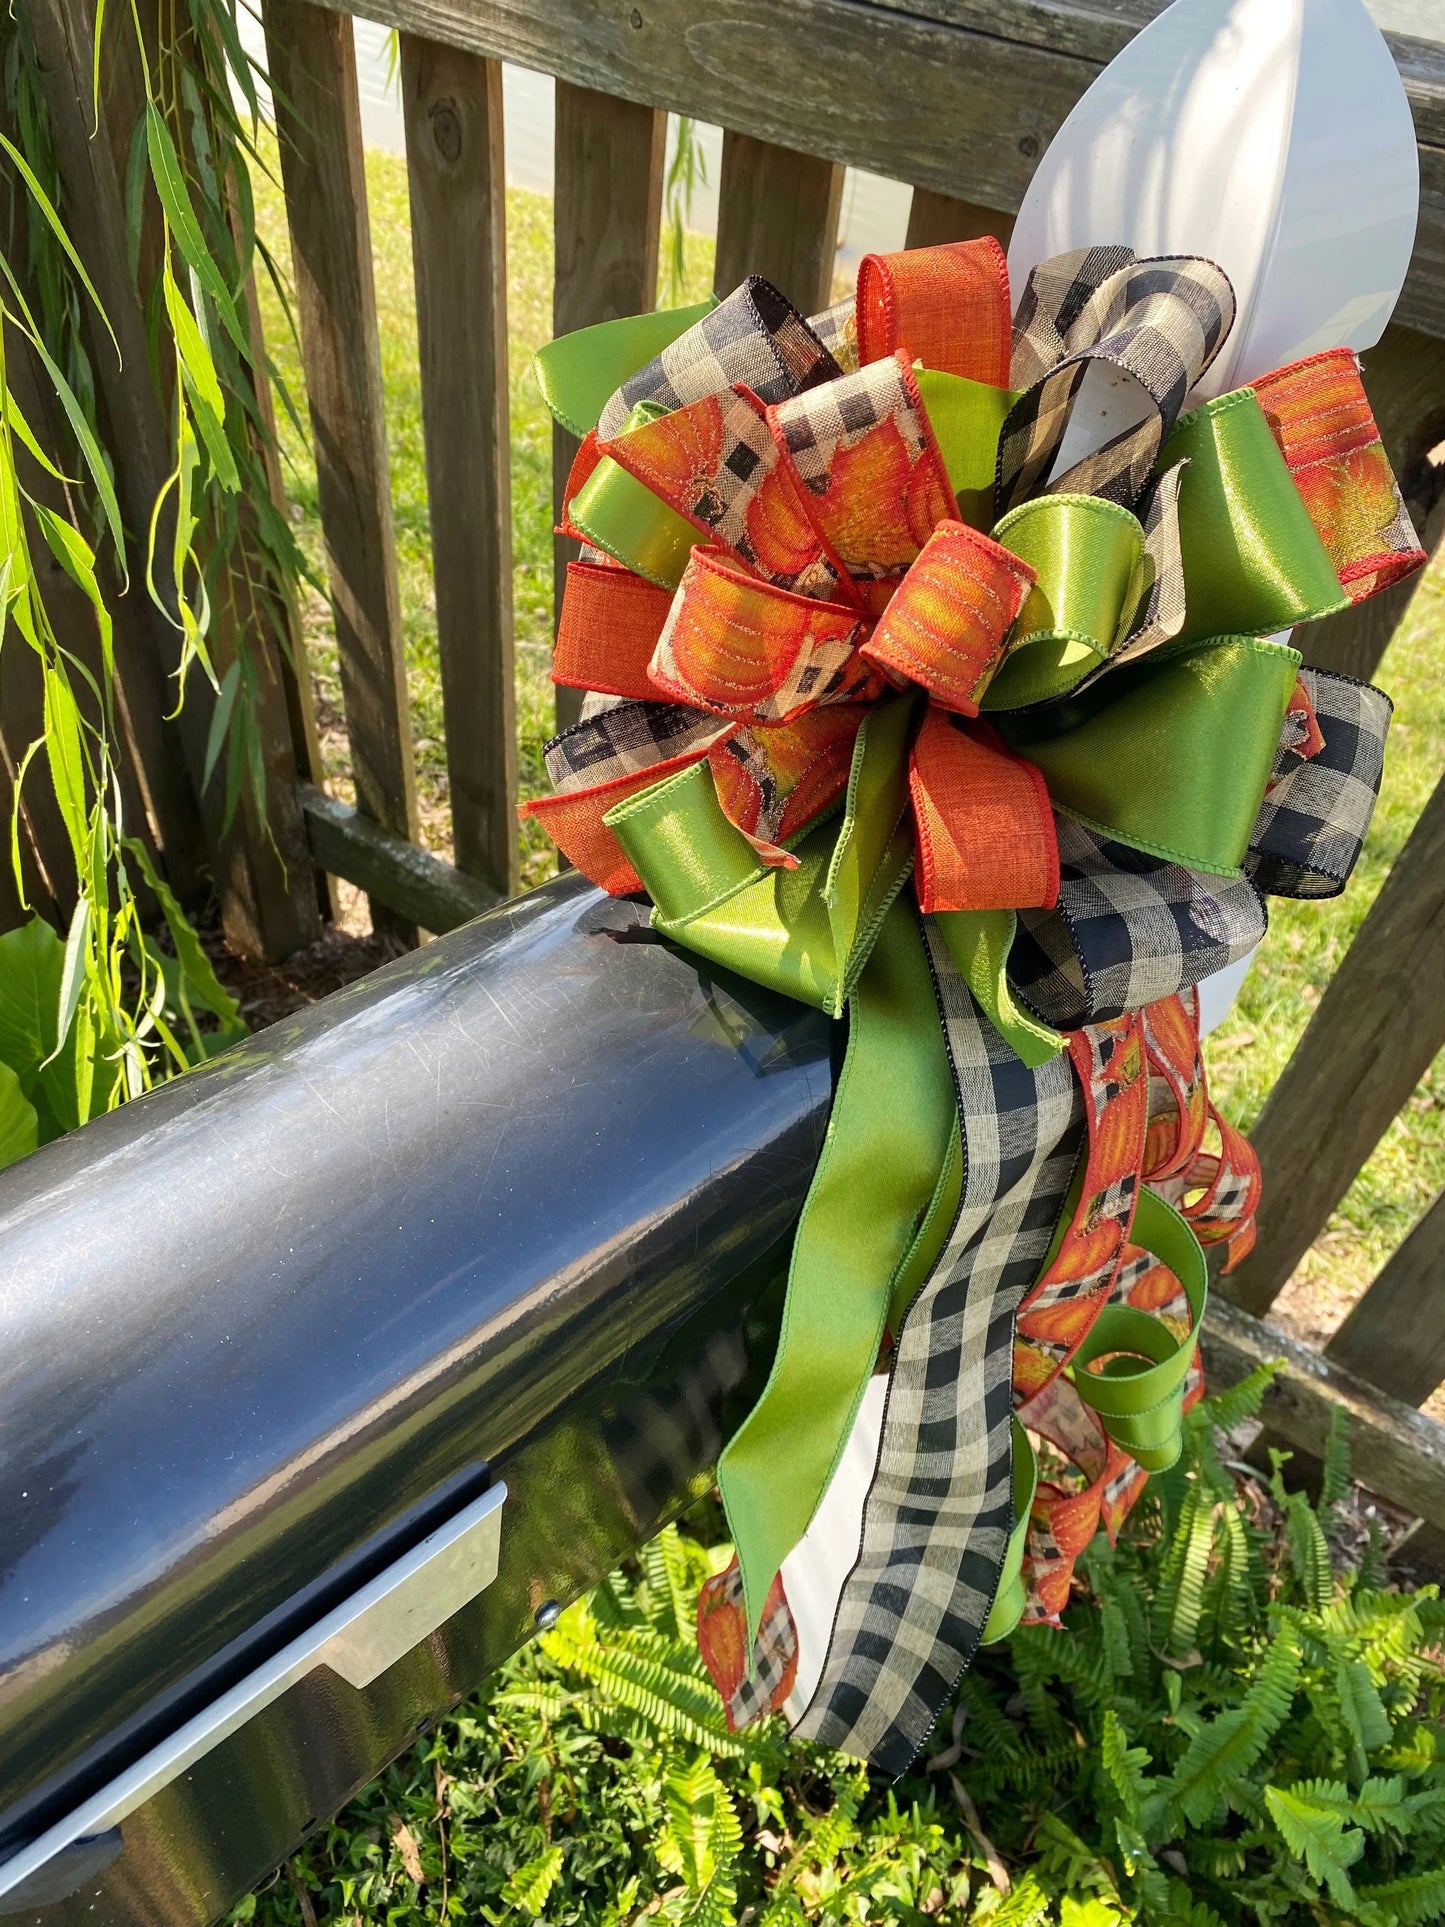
[(1371, 1572), (1078, 1659), (672, 1703), (1184, 1911), (613, 1605), (1125, 1766), (1403, 1903), (1360, 1704), (1231, 1407), (1114, 1639), (1026, 1906), (1311, 1824), (1179, 1603), (987, 1730), (1227, 1746), (702, 1836), (1214, 1855), (1335, 1479), (1309, 1551), (531, 1885), (671, 1597)]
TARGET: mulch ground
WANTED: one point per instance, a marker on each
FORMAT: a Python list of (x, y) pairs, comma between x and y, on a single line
[(269, 992)]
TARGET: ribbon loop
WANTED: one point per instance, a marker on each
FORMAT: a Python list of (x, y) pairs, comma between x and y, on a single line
[(1129, 929), (982, 818), (598, 764), (916, 300), (947, 625), (1159, 322), (869, 472), (740, 647), (755, 338), (1115, 758), (1139, 1391), (1312, 823), (607, 630), (1253, 558), (1085, 555), (1320, 416)]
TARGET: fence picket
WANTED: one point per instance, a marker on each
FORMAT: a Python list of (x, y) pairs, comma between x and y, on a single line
[(607, 181), (1395, 1334), (934, 219), (778, 217), (457, 173), (319, 122), (1375, 1033)]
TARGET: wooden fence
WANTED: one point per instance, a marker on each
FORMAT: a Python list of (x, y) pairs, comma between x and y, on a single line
[(957, 98)]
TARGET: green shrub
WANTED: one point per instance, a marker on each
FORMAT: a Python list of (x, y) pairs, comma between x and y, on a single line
[(1228, 1731)]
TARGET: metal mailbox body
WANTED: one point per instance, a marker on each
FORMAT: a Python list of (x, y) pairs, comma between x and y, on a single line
[(514, 1210)]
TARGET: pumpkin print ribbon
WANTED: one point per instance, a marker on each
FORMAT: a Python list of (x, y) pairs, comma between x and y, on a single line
[(910, 700)]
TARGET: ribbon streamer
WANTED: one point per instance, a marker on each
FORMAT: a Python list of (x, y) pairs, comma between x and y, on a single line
[(851, 635)]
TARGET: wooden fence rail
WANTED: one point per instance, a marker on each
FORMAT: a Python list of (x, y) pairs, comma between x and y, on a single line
[(957, 98)]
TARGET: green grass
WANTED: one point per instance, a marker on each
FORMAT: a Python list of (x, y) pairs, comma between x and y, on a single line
[(1305, 943)]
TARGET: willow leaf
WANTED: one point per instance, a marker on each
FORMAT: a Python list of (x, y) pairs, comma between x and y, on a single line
[(185, 229), (57, 227)]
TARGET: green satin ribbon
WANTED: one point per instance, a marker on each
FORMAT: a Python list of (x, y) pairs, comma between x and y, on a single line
[(806, 932), (979, 941), (1171, 754), (622, 517), (967, 418), (1253, 559), (1087, 555), (1012, 1595), (579, 373), (877, 1213), (1139, 1393)]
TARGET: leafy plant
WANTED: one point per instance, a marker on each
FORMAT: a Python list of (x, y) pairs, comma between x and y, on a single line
[(1217, 1737), (1227, 1723), (686, 173), (96, 1019)]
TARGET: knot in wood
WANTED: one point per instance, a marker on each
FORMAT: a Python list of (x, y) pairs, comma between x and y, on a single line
[(446, 130)]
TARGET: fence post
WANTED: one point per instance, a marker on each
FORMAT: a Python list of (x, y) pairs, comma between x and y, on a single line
[(778, 217), (456, 169), (607, 213), (1395, 1334), (318, 119), (936, 218), (1374, 1034)]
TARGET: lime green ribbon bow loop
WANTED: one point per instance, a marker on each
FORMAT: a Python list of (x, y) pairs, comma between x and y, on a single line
[(1138, 1390)]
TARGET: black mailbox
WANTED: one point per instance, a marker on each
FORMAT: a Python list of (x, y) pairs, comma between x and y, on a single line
[(327, 1371)]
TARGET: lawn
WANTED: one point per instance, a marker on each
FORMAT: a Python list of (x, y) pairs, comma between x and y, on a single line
[(1305, 943)]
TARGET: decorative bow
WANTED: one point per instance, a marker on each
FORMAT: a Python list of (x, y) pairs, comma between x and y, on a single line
[(904, 650)]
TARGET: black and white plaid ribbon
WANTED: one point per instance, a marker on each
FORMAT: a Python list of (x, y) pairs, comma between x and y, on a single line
[(1159, 321), (1313, 820), (940, 1511), (623, 739), (756, 337)]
